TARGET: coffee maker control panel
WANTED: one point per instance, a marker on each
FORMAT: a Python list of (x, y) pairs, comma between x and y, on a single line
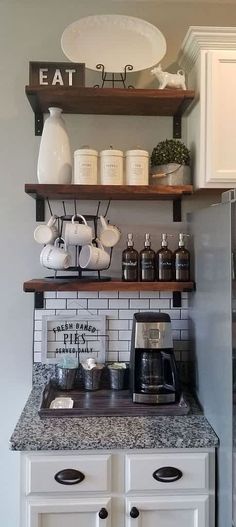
[(153, 336)]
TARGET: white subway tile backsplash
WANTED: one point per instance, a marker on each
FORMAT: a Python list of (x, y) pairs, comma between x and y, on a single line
[(149, 294), (175, 334), (66, 312), (128, 294), (57, 303), (97, 303), (118, 324), (112, 356), (184, 335), (67, 294), (179, 324), (119, 304), (50, 294), (113, 335), (87, 294), (111, 313), (139, 304), (119, 308), (39, 313), (81, 303), (108, 294), (127, 313), (159, 303), (118, 345), (125, 335), (166, 294), (124, 356)]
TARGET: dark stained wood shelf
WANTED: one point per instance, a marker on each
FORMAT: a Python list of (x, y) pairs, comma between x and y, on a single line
[(64, 284), (107, 192), (110, 101)]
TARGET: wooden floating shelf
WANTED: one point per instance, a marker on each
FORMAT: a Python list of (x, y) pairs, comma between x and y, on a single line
[(107, 192), (63, 284), (110, 101)]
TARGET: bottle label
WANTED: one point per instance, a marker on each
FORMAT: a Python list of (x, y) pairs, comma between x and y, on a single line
[(148, 264), (182, 264), (165, 264), (129, 264)]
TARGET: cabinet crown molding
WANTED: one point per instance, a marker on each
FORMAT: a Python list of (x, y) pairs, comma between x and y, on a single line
[(203, 38)]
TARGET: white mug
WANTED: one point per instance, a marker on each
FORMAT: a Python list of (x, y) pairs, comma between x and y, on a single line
[(54, 257), (47, 233), (78, 233), (109, 234), (92, 257)]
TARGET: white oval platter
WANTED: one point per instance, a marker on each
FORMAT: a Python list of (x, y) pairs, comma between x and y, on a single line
[(114, 41)]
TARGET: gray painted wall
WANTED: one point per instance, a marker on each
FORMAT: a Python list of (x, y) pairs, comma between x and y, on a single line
[(31, 30)]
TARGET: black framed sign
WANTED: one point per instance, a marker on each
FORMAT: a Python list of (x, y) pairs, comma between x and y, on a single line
[(79, 336), (56, 74)]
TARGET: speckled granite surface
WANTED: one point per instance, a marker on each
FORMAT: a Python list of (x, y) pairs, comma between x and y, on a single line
[(34, 433)]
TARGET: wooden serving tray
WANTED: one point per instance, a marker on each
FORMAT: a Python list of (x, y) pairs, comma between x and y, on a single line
[(103, 403)]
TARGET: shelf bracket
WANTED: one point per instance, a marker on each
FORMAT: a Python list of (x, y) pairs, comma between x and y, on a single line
[(38, 300), (177, 127), (177, 299), (40, 209), (38, 123), (177, 209)]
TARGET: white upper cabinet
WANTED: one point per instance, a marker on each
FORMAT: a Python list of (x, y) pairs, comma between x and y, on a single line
[(208, 56)]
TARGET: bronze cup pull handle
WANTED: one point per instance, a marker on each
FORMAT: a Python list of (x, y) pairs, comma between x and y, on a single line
[(167, 474), (103, 513), (69, 476), (134, 513)]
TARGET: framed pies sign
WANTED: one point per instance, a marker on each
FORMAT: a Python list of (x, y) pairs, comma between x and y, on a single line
[(60, 74), (77, 336)]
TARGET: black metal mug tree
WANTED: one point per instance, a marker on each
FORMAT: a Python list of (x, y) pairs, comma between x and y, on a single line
[(76, 268)]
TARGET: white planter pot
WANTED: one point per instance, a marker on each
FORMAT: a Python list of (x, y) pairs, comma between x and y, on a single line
[(54, 161), (171, 174)]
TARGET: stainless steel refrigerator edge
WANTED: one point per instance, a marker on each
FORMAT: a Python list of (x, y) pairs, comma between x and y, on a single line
[(211, 316)]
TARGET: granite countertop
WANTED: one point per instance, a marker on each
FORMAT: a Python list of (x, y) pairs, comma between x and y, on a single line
[(84, 433)]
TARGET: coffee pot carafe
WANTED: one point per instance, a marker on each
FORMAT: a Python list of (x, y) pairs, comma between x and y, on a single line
[(154, 378)]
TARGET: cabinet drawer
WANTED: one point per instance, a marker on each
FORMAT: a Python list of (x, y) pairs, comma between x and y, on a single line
[(73, 473), (185, 471)]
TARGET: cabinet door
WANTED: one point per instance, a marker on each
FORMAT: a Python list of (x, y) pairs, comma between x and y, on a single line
[(168, 511), (67, 513), (220, 89)]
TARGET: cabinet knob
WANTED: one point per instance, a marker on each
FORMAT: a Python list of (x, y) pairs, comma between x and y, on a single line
[(167, 474), (103, 513), (69, 476), (134, 513)]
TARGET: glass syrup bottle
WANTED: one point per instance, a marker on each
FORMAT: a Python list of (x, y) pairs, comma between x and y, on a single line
[(130, 260), (164, 261), (147, 261), (182, 261)]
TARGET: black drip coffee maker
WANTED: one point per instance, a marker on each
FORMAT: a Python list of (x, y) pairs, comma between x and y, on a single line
[(153, 372)]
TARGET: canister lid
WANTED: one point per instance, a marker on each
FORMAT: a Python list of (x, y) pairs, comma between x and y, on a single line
[(139, 153), (111, 152), (85, 152)]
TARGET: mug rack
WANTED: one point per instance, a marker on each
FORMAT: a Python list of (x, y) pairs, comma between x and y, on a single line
[(80, 273)]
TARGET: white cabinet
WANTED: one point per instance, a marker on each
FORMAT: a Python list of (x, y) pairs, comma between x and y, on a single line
[(58, 512), (168, 488), (208, 56), (171, 511)]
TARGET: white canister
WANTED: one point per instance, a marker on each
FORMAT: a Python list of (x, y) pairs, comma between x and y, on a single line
[(111, 167), (85, 166), (136, 167)]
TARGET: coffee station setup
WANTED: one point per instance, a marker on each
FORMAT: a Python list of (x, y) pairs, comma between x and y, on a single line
[(114, 433)]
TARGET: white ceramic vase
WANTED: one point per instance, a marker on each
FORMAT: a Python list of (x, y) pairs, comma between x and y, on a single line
[(54, 161)]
